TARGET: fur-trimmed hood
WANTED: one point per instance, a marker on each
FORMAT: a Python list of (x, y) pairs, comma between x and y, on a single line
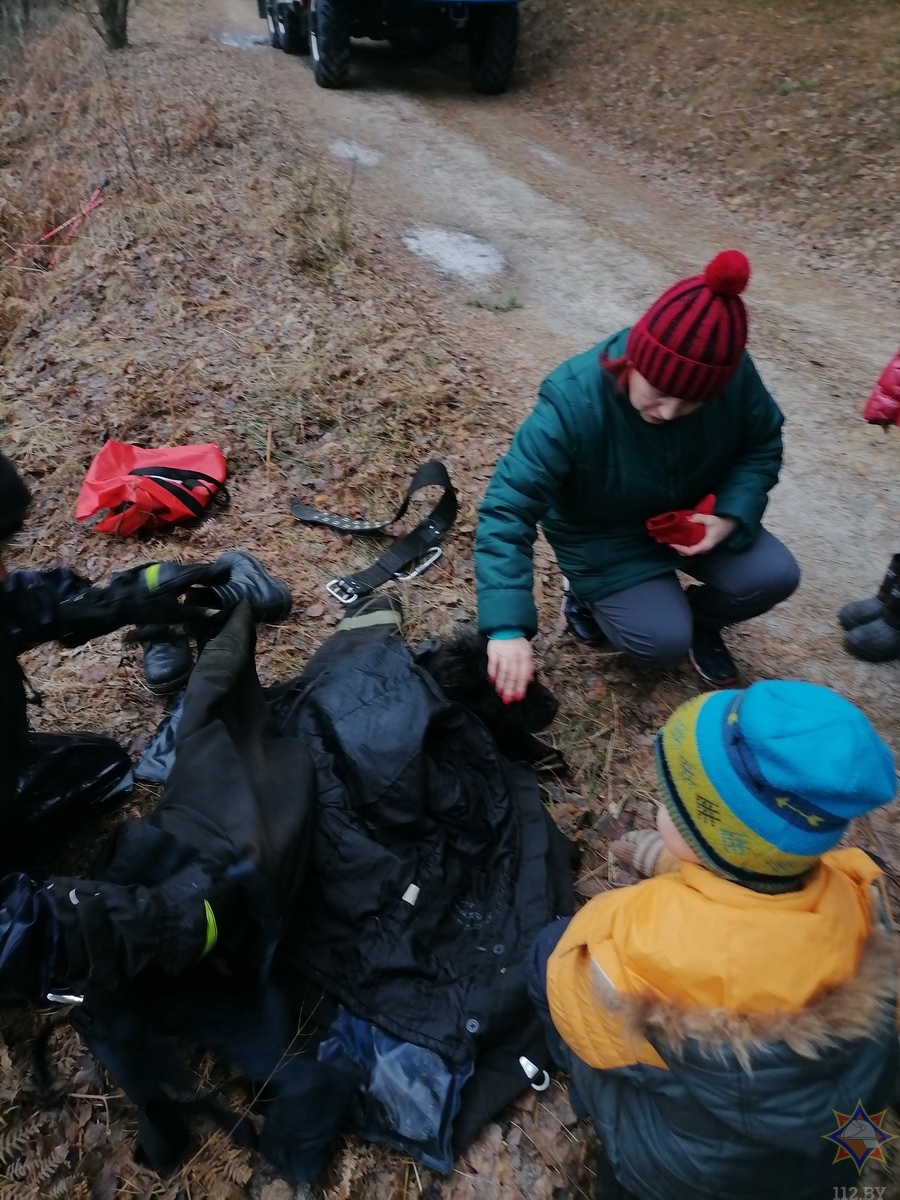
[(850, 1011), (713, 1032)]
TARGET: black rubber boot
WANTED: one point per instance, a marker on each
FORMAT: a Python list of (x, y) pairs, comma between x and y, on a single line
[(168, 658), (269, 598), (860, 612), (878, 640)]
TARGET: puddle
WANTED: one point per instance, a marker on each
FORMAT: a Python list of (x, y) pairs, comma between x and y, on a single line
[(461, 253), (353, 152), (242, 41)]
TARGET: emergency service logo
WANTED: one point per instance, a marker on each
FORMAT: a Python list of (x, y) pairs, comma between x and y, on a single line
[(859, 1136)]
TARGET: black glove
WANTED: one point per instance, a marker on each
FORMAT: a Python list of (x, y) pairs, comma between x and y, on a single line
[(30, 603), (164, 593), (32, 945)]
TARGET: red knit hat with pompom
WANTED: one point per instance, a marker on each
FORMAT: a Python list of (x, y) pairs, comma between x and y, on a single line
[(689, 343)]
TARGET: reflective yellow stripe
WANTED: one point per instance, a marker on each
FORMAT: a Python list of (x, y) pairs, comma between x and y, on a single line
[(212, 929), (151, 577)]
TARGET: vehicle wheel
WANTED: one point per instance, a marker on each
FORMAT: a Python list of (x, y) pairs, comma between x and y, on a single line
[(293, 30), (273, 23), (493, 36), (329, 42)]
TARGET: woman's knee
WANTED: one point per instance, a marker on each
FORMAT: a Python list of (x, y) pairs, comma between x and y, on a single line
[(784, 576), (660, 646), (775, 578), (760, 577), (651, 622)]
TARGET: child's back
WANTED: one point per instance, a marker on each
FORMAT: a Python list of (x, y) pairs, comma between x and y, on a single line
[(716, 1018)]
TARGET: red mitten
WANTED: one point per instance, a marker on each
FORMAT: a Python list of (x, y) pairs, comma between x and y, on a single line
[(677, 528), (883, 406)]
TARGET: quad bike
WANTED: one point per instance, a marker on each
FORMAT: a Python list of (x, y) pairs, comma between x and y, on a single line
[(323, 29)]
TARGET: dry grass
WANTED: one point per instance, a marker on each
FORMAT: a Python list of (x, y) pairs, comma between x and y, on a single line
[(786, 110)]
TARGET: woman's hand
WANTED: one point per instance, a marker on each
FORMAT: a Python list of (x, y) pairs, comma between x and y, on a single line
[(510, 666), (717, 530)]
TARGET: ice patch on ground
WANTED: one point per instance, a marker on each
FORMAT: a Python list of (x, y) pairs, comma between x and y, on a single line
[(546, 155), (460, 253), (242, 41), (355, 153)]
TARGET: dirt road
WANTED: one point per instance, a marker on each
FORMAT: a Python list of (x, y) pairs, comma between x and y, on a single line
[(585, 247)]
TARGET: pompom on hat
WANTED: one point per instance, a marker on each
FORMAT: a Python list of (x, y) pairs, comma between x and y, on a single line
[(689, 343), (763, 781)]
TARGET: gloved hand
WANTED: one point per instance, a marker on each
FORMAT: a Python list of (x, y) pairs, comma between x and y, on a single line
[(165, 593), (32, 946), (29, 604)]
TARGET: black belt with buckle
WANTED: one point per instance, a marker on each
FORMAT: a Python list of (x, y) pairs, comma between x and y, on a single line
[(410, 554)]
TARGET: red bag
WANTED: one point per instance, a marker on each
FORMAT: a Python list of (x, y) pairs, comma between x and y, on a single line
[(677, 529), (883, 406), (148, 488)]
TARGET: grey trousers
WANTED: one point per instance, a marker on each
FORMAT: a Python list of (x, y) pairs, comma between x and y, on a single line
[(654, 621)]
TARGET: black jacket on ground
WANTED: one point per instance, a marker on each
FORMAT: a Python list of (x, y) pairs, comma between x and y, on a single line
[(415, 801), (434, 863), (308, 818)]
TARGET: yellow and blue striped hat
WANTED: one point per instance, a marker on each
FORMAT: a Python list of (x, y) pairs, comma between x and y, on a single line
[(761, 782)]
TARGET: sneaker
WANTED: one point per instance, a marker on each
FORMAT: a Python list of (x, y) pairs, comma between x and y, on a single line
[(711, 659), (270, 598), (168, 658), (580, 620)]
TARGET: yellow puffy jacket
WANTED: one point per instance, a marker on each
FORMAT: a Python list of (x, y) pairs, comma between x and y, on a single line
[(694, 940), (712, 1032)]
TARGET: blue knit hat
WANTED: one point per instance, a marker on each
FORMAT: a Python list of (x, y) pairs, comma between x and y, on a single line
[(761, 782)]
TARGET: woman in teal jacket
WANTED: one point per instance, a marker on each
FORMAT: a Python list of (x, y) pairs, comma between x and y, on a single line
[(653, 420)]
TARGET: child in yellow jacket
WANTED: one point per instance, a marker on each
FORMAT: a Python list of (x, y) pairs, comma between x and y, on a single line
[(730, 1026)]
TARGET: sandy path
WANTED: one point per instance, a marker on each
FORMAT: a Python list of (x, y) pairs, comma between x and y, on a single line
[(586, 247)]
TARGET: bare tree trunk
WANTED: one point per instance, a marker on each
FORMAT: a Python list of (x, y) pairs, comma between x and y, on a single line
[(14, 18), (114, 15)]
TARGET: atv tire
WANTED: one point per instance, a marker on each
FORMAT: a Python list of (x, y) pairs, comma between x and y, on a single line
[(293, 30), (493, 38), (329, 42)]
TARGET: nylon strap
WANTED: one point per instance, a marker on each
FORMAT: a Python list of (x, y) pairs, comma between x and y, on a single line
[(178, 483), (406, 550)]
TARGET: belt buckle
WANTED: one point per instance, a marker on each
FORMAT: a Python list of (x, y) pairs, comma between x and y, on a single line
[(341, 591), (422, 565)]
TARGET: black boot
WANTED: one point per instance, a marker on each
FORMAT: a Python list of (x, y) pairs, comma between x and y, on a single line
[(860, 612), (580, 619), (269, 598), (168, 658), (711, 658), (878, 640)]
